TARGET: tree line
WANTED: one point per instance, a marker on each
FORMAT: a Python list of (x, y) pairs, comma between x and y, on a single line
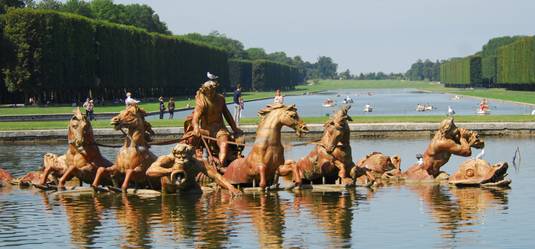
[(139, 15)]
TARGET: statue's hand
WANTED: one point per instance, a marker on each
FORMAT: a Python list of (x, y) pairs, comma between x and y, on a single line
[(196, 132)]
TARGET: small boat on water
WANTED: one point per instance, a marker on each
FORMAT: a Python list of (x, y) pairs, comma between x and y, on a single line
[(348, 100), (484, 108), (329, 103), (483, 112), (368, 108)]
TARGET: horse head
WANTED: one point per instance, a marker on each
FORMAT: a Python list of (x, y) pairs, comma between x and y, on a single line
[(80, 131), (133, 119), (336, 130), (285, 115)]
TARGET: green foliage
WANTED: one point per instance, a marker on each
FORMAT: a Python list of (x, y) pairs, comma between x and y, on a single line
[(461, 71), (267, 75), (139, 15), (516, 62), (326, 68), (240, 72), (424, 70), (233, 47), (57, 52), (488, 56), (6, 4)]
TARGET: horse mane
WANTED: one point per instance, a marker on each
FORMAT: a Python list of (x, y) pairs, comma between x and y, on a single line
[(339, 117), (147, 127), (266, 110)]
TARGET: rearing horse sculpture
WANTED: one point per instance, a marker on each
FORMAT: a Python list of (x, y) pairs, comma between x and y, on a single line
[(267, 152), (331, 157), (82, 158), (134, 157)]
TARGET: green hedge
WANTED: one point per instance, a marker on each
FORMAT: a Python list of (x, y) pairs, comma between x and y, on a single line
[(59, 52), (489, 56), (240, 72), (461, 71), (268, 75), (516, 62)]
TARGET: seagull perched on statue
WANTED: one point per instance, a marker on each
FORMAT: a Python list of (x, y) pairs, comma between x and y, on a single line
[(211, 76)]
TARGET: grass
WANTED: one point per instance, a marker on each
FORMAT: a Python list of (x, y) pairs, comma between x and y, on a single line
[(46, 125)]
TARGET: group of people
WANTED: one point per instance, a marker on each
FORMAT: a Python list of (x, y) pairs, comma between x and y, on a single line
[(170, 107)]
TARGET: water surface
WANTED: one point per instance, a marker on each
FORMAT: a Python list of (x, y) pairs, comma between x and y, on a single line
[(386, 102), (390, 217)]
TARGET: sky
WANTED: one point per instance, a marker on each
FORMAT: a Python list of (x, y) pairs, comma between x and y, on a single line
[(359, 35)]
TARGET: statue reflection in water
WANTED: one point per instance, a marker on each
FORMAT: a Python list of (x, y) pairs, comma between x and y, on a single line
[(84, 214), (333, 211), (458, 209)]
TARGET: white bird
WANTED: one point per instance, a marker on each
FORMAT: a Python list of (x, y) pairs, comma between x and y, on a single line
[(451, 112), (533, 112), (420, 159), (481, 154), (211, 76)]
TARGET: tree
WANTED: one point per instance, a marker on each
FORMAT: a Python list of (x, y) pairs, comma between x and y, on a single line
[(346, 75), (6, 4), (49, 5), (233, 47), (256, 54), (326, 68), (78, 7)]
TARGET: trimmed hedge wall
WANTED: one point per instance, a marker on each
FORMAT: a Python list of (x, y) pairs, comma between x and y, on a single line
[(489, 57), (72, 55), (461, 72), (240, 72), (516, 63), (268, 75)]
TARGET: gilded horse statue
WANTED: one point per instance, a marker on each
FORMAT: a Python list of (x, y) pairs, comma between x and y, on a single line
[(330, 159), (267, 153), (134, 157), (82, 158)]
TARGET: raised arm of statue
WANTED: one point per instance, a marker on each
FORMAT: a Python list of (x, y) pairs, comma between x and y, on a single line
[(450, 146), (162, 166)]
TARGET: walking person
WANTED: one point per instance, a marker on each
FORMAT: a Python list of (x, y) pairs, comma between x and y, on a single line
[(89, 106), (162, 107), (171, 107), (278, 97), (237, 106)]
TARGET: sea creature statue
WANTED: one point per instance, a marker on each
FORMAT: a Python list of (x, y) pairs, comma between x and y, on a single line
[(207, 119), (134, 157), (5, 177), (378, 167), (267, 152), (180, 170), (330, 159), (448, 140), (478, 172), (82, 158)]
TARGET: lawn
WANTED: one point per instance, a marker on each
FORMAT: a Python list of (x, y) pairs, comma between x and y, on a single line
[(44, 125)]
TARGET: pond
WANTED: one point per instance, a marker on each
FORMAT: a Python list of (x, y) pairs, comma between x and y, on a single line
[(399, 216), (386, 102)]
